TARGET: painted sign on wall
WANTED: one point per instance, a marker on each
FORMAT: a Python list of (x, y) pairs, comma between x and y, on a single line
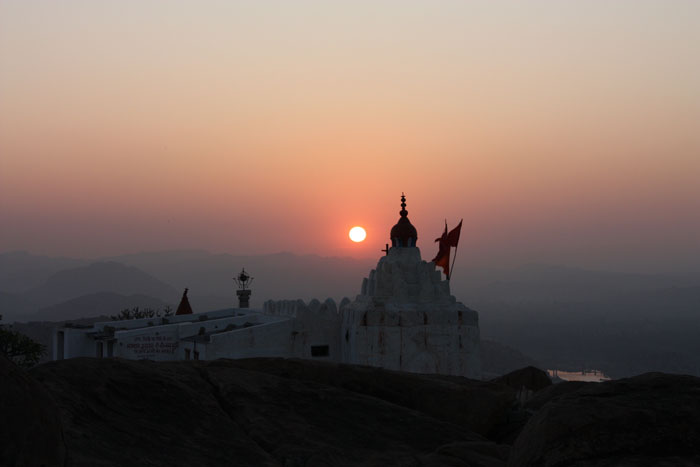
[(152, 347)]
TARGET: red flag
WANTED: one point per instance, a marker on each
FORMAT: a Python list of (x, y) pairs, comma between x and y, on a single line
[(444, 234), (443, 256), (453, 236), (446, 241)]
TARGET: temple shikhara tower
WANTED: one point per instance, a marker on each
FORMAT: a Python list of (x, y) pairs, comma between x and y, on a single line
[(405, 317)]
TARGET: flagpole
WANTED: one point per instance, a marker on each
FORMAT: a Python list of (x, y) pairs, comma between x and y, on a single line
[(456, 246), (453, 264)]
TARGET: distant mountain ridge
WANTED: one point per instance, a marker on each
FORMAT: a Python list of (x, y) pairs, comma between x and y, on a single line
[(563, 317), (107, 276), (209, 276), (21, 270), (96, 304), (286, 275), (541, 282), (14, 306), (277, 276)]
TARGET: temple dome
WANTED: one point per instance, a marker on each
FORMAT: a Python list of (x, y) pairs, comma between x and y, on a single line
[(403, 234)]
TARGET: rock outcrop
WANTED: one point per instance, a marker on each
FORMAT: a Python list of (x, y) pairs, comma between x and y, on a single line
[(265, 413), (648, 420), (477, 406), (526, 381), (277, 412)]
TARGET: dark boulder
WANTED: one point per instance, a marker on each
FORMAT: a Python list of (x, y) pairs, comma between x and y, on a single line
[(30, 424), (524, 383), (651, 419)]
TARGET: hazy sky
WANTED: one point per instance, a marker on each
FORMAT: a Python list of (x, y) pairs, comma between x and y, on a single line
[(562, 132)]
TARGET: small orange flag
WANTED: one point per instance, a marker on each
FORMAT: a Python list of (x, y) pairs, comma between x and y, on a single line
[(446, 241), (453, 236)]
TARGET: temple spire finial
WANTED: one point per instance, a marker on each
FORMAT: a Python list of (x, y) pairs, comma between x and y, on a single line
[(403, 234)]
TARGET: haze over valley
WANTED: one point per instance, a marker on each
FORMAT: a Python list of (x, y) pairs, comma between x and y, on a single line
[(559, 317)]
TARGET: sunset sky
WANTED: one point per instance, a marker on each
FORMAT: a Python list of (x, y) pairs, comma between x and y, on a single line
[(562, 132)]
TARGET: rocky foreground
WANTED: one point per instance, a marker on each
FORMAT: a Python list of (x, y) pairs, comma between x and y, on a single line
[(274, 412)]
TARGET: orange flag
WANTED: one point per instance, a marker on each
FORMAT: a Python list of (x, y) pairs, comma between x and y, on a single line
[(442, 258), (453, 236), (446, 241)]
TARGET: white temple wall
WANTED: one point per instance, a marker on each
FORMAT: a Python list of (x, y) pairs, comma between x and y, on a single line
[(210, 325), (316, 332), (172, 319), (406, 319), (164, 342), (192, 347), (75, 344), (274, 339), (157, 343), (407, 341)]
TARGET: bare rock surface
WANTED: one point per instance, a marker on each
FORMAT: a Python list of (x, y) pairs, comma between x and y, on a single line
[(477, 406), (526, 383), (30, 424), (288, 413), (129, 413), (118, 412), (650, 419)]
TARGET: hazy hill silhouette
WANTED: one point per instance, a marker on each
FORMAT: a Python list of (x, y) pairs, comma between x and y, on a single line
[(99, 277), (96, 304), (286, 275), (21, 271), (277, 276), (15, 306), (684, 302), (562, 317), (548, 283)]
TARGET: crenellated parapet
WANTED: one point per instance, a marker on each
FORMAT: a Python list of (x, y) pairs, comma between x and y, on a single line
[(295, 308)]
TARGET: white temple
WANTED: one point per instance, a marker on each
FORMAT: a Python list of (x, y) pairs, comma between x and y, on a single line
[(404, 319)]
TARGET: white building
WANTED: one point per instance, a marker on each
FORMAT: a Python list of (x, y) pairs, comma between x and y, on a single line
[(403, 319)]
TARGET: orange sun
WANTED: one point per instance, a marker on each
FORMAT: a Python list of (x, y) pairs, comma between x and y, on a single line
[(357, 234)]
